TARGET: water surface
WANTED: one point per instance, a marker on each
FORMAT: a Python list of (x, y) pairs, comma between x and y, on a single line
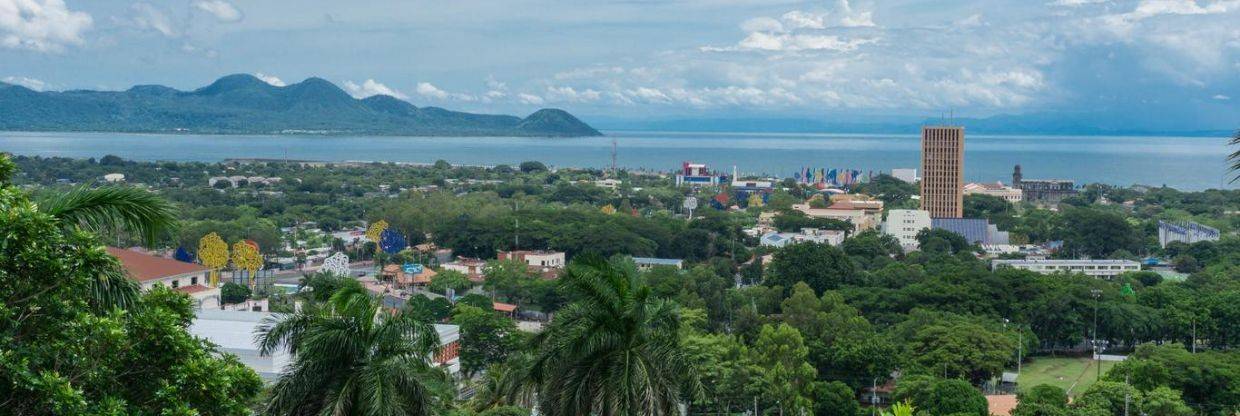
[(1190, 163)]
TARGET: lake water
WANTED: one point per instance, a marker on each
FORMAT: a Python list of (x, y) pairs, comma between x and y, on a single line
[(1190, 163)]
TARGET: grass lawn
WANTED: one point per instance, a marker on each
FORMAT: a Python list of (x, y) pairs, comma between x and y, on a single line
[(1062, 372)]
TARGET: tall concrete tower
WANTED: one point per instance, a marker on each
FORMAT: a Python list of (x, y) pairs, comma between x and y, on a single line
[(942, 167)]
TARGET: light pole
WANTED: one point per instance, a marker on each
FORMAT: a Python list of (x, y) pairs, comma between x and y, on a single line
[(1097, 359), (1020, 345)]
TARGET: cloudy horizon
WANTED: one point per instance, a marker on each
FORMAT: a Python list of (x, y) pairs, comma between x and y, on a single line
[(1175, 60)]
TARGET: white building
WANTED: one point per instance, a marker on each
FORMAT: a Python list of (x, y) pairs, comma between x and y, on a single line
[(647, 263), (535, 258), (114, 177), (1187, 232), (233, 332), (904, 224), (907, 175), (813, 235), (997, 189), (1096, 268), (608, 183)]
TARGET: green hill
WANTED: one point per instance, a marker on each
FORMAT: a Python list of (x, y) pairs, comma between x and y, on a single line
[(243, 104)]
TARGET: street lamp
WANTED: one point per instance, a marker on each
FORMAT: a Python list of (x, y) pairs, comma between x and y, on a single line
[(1020, 345), (1097, 294)]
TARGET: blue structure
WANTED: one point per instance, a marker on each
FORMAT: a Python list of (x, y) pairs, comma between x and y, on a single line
[(974, 230), (392, 242), (183, 255)]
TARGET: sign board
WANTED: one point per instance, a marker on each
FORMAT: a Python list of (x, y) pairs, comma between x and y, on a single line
[(690, 203), (412, 268)]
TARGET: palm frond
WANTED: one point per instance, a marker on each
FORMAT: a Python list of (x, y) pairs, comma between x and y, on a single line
[(1234, 158), (117, 208)]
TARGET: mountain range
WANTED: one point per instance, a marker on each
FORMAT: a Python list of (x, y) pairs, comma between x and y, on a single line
[(244, 104)]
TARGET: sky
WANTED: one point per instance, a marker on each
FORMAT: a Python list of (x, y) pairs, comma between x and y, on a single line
[(1170, 63)]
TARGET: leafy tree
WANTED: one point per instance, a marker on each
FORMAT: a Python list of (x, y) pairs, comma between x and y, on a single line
[(486, 337), (789, 377), (821, 266), (835, 399), (959, 348), (615, 349), (934, 396), (937, 240), (234, 293), (1041, 400), (532, 166), (1097, 233), (450, 279), (350, 358), (75, 335)]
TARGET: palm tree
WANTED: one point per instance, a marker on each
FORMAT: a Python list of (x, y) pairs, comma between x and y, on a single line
[(110, 208), (351, 356), (129, 209), (615, 350), (506, 384), (1234, 158)]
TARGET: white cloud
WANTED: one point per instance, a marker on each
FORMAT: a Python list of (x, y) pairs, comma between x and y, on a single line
[(530, 99), (148, 17), (31, 83), (762, 24), (570, 94), (270, 79), (221, 9), (41, 25), (1221, 97), (1074, 3), (369, 88), (429, 90)]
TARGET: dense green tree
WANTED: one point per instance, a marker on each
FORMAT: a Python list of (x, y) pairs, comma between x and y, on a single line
[(615, 349), (486, 337), (75, 335), (835, 399), (788, 378), (1097, 233), (1041, 400), (934, 396), (941, 241), (821, 266), (450, 279)]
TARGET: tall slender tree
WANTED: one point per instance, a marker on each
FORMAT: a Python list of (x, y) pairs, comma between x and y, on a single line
[(615, 350), (1234, 158), (351, 356)]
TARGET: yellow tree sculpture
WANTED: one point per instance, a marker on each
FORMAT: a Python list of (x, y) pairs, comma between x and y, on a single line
[(246, 257), (375, 232), (213, 253), (755, 201)]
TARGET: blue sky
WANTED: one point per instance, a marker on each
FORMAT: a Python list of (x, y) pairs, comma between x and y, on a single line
[(1176, 62)]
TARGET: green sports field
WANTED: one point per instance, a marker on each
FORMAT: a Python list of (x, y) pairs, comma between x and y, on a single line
[(1072, 374)]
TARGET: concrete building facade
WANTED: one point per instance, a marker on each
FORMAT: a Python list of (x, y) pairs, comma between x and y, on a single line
[(1097, 268), (942, 171), (904, 224)]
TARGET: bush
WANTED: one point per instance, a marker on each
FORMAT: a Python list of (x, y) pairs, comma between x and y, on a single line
[(234, 293)]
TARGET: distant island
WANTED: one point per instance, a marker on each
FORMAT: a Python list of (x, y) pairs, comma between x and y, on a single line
[(244, 104)]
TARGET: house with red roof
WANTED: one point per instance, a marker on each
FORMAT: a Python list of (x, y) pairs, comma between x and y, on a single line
[(150, 270)]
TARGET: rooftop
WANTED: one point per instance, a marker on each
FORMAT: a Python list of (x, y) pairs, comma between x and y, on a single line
[(145, 267)]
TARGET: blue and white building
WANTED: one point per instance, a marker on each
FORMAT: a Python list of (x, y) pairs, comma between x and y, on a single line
[(1187, 232)]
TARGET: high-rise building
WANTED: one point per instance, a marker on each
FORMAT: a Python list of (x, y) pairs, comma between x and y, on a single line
[(942, 171)]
